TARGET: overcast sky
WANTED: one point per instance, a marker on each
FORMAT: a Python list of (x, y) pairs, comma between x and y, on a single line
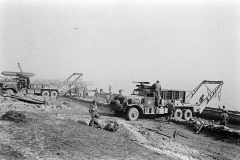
[(179, 42)]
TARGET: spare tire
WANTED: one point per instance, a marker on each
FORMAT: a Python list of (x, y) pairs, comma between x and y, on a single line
[(187, 114), (178, 114)]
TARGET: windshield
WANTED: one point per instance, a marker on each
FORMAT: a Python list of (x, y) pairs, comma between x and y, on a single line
[(139, 93)]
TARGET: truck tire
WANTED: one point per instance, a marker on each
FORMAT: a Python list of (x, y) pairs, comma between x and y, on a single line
[(187, 114), (133, 114), (9, 92), (178, 114), (45, 94), (54, 94)]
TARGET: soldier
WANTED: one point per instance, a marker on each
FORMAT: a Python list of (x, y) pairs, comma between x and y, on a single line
[(171, 109), (110, 89), (28, 83), (157, 88), (201, 98), (84, 92), (70, 93), (108, 98), (223, 109), (224, 118), (94, 115), (120, 92), (96, 94)]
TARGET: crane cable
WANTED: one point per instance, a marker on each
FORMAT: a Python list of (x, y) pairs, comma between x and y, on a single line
[(220, 99), (219, 93), (208, 90), (229, 105)]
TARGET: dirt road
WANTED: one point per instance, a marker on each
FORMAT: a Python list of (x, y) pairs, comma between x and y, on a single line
[(53, 132), (57, 133), (205, 145)]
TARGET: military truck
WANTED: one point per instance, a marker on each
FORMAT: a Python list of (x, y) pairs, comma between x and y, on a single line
[(14, 85), (143, 101), (16, 81)]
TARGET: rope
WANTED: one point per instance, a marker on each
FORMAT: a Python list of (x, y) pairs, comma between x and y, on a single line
[(220, 93), (219, 98), (229, 105)]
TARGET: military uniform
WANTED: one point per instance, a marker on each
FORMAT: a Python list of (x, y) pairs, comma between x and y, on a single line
[(224, 118), (157, 88), (171, 109), (201, 99), (94, 115)]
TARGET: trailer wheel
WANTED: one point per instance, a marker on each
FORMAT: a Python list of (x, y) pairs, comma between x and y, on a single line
[(9, 92), (54, 94), (133, 114), (45, 94), (178, 114), (187, 114)]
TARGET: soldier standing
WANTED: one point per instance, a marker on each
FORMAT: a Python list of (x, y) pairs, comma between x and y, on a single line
[(110, 89), (223, 109), (70, 93), (120, 92), (110, 92), (84, 92), (96, 94), (157, 88), (171, 109), (224, 118), (94, 115)]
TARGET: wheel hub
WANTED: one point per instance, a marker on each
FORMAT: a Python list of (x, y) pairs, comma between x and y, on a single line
[(134, 114)]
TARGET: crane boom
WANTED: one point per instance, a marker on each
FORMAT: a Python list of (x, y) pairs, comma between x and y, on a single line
[(192, 93), (66, 87), (207, 99)]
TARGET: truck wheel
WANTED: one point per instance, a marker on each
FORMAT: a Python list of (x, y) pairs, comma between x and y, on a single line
[(132, 114), (45, 94), (187, 114), (178, 114), (54, 94), (9, 92)]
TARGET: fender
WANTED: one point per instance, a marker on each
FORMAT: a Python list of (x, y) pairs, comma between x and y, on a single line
[(131, 105), (14, 90), (140, 109)]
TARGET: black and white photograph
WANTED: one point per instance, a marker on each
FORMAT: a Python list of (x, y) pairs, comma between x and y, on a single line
[(119, 80)]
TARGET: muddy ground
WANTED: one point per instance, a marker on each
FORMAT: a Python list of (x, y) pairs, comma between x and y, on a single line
[(57, 131)]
